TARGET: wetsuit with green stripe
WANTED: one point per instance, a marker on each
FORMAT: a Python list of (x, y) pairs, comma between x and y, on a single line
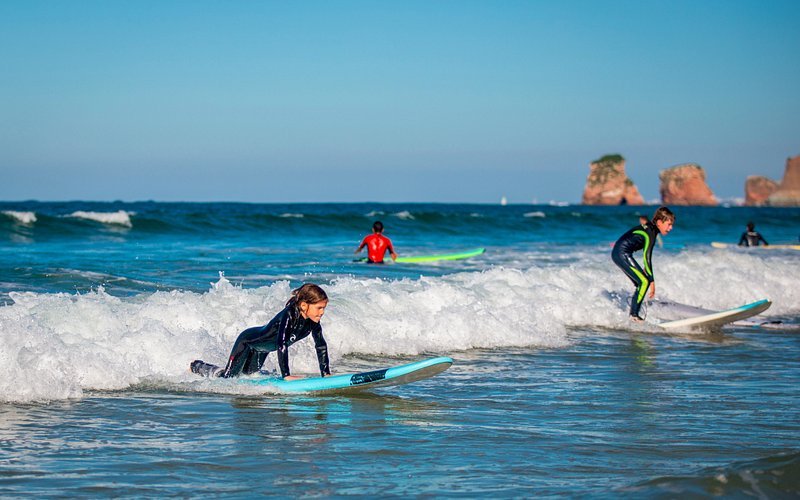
[(642, 237)]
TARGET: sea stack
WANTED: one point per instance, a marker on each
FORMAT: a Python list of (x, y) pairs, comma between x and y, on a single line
[(685, 185), (788, 192), (757, 189), (608, 184)]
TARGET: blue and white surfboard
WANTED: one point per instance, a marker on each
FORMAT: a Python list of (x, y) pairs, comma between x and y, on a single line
[(717, 319), (396, 375)]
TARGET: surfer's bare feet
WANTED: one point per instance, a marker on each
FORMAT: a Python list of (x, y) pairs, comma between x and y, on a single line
[(636, 319)]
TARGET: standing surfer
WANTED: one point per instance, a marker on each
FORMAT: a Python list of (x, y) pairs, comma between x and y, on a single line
[(642, 237)]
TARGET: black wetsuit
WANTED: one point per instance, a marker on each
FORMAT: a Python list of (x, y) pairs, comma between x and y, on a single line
[(254, 344), (642, 237), (751, 239)]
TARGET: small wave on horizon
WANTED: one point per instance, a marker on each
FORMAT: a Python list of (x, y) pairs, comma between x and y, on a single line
[(21, 217), (536, 214), (404, 215), (120, 217)]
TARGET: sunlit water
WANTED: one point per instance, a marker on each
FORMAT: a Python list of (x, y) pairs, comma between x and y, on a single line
[(552, 392)]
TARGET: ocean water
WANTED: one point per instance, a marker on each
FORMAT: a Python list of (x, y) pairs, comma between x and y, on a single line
[(552, 393)]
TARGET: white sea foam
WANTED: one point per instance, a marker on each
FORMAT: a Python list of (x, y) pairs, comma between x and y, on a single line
[(21, 217), (404, 214), (535, 214), (56, 346), (721, 279), (120, 217), (289, 215)]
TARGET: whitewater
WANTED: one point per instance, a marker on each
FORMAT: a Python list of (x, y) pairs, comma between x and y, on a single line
[(58, 345)]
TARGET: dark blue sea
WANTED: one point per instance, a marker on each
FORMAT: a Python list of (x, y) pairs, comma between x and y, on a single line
[(553, 393)]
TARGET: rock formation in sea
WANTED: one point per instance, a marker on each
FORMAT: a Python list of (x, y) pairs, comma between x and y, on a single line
[(608, 184), (788, 192), (685, 185), (757, 189)]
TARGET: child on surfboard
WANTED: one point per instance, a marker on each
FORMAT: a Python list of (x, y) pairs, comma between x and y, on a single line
[(641, 237), (377, 244), (298, 319)]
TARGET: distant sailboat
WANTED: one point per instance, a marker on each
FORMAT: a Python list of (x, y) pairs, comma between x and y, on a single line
[(503, 201)]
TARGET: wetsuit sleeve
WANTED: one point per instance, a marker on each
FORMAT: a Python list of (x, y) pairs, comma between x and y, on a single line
[(762, 239), (283, 349), (648, 256), (742, 239), (362, 245), (322, 351)]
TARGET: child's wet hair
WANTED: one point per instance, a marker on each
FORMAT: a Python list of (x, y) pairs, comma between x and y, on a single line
[(309, 293), (377, 226), (665, 214)]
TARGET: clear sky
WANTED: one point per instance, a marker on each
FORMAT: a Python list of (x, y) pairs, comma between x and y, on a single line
[(435, 100)]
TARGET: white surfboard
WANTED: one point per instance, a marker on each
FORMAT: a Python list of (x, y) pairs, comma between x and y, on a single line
[(717, 319), (718, 244)]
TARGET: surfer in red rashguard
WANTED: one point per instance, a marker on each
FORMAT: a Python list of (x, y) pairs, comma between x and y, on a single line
[(377, 244)]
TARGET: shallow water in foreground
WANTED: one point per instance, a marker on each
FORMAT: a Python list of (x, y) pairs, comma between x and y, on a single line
[(612, 414)]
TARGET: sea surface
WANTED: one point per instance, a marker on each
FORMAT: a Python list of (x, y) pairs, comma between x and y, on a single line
[(552, 393)]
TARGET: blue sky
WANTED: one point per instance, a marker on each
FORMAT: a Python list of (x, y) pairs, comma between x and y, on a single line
[(452, 101)]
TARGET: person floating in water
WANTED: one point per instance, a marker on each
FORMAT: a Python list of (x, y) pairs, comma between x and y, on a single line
[(377, 244), (751, 237), (641, 237), (299, 319)]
